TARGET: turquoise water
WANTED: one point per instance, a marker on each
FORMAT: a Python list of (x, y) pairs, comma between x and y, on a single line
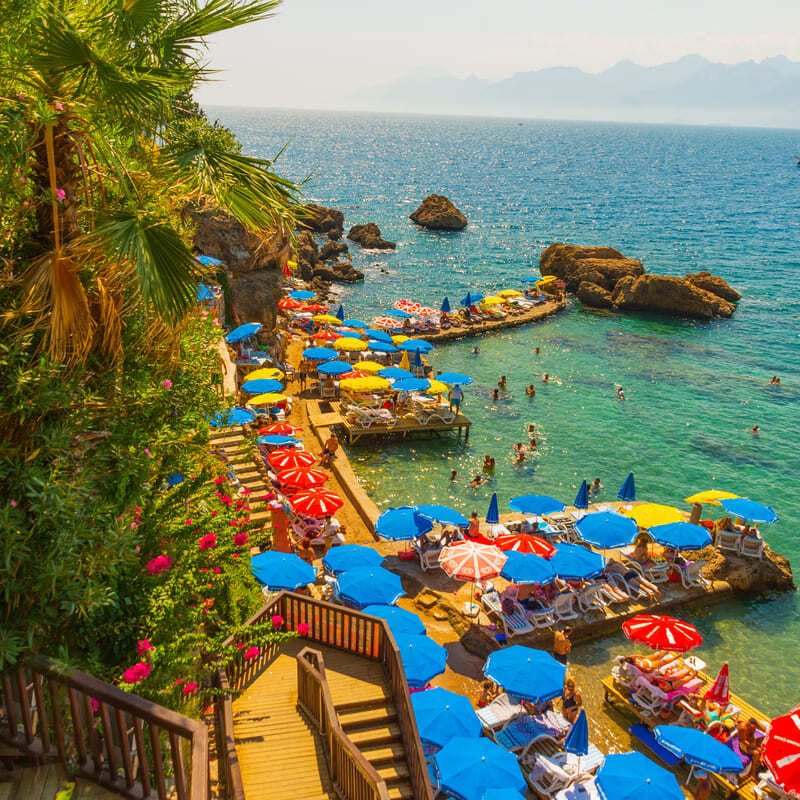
[(680, 199)]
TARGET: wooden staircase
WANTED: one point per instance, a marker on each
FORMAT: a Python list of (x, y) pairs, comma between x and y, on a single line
[(42, 783)]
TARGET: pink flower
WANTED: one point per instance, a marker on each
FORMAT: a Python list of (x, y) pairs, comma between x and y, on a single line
[(214, 513), (303, 629), (246, 491), (143, 647), (158, 564), (137, 673), (61, 194), (58, 106), (240, 539), (277, 621), (147, 452), (134, 525), (220, 480), (167, 384), (251, 652), (235, 555), (187, 521), (217, 570), (240, 645), (95, 704), (12, 503), (207, 542), (190, 687)]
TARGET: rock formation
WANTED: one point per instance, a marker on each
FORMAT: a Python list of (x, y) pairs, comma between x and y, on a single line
[(331, 250), (369, 236), (339, 272), (602, 277), (438, 213), (329, 221), (766, 575)]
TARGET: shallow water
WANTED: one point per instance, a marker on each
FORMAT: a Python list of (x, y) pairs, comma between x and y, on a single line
[(679, 198)]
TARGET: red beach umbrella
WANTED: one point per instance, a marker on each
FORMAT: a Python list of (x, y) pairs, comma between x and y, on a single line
[(316, 502), (525, 543), (660, 632), (286, 458), (471, 561), (386, 322), (719, 692), (289, 304), (302, 477), (278, 429), (781, 751), (317, 308), (326, 335)]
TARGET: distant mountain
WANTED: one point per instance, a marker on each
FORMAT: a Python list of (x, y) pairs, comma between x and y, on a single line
[(690, 90)]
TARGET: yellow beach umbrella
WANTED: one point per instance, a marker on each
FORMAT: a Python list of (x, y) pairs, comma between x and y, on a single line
[(267, 399), (326, 318), (270, 373), (369, 384), (437, 387), (510, 293), (712, 496), (649, 514), (369, 366), (349, 344), (399, 338), (404, 362), (491, 300)]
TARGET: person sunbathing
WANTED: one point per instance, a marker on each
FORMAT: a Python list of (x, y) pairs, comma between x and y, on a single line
[(750, 743), (489, 692), (634, 580)]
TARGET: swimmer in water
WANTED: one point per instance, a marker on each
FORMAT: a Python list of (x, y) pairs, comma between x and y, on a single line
[(488, 463), (475, 350), (537, 351), (620, 394), (496, 394), (453, 475), (775, 381), (532, 444), (476, 482), (531, 429), (501, 384), (530, 391), (545, 378), (755, 430)]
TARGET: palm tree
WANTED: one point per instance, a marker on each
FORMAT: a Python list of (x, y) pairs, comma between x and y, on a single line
[(101, 160)]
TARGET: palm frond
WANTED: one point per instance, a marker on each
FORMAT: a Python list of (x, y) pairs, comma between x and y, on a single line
[(216, 16)]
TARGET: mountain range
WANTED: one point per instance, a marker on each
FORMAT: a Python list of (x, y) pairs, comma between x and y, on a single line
[(690, 90)]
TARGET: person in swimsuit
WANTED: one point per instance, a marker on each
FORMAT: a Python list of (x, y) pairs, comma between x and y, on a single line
[(562, 646), (571, 701), (750, 744)]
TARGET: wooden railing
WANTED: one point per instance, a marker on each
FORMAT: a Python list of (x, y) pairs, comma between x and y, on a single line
[(229, 776), (344, 629), (115, 739), (352, 775)]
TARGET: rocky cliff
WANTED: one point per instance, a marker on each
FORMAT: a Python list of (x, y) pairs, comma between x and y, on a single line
[(369, 236), (437, 212), (766, 575), (602, 277)]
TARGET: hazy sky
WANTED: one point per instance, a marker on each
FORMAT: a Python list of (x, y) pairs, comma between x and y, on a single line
[(314, 53)]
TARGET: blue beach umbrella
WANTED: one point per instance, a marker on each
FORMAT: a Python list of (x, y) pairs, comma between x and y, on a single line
[(402, 523), (340, 313), (416, 346), (444, 515), (400, 621), (530, 279), (681, 535), (380, 347), (577, 741), (468, 768), (633, 776), (350, 334), (502, 794), (261, 386), (537, 504), (445, 309), (319, 354), (417, 358), (378, 336), (697, 748), (350, 556), (442, 715), (301, 294), (745, 508), (571, 562), (209, 261), (493, 512), (277, 570), (471, 298), (366, 586), (527, 673), (627, 492), (204, 293), (393, 373), (605, 529), (411, 384), (277, 440), (399, 313), (234, 416), (243, 332), (354, 323), (422, 659), (527, 568), (452, 378), (582, 498), (335, 368)]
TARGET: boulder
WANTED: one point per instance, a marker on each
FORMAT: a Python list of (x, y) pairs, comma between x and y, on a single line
[(307, 254), (662, 294), (714, 284), (369, 235), (593, 295), (320, 219), (340, 272), (332, 250), (603, 266), (438, 213), (766, 575)]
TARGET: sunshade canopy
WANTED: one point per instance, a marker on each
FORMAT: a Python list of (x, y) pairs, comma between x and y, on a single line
[(442, 715), (527, 673), (365, 586), (277, 570), (350, 556), (661, 632)]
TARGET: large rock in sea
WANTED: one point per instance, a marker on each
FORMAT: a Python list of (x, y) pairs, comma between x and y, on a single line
[(340, 272), (767, 575), (438, 213), (321, 219), (662, 294), (573, 264), (369, 236), (594, 295), (715, 285), (332, 250)]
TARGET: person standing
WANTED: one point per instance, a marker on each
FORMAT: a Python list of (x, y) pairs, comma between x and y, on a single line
[(562, 645), (456, 397)]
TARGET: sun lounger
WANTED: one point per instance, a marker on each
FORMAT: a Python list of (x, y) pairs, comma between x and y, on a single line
[(428, 559), (752, 547), (767, 789), (545, 777), (565, 607), (514, 622), (655, 572), (519, 732), (590, 598), (728, 541), (499, 712), (540, 617), (691, 575)]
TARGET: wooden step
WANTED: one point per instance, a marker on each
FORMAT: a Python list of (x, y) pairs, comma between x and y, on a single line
[(385, 734), (403, 791), (380, 755), (361, 705), (394, 774), (368, 718)]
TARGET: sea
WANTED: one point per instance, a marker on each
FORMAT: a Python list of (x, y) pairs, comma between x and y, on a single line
[(679, 198)]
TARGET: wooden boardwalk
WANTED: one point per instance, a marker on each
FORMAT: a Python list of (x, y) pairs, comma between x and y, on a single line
[(280, 756), (42, 783)]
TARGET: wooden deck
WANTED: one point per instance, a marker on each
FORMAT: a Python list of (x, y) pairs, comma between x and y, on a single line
[(614, 695), (280, 756), (42, 783), (403, 426)]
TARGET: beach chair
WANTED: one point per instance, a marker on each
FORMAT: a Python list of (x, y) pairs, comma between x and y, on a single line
[(728, 541), (565, 607), (514, 623), (649, 699), (545, 777), (428, 559), (499, 712), (540, 618), (590, 598), (767, 789), (518, 733), (655, 572), (623, 587), (752, 547), (691, 575)]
